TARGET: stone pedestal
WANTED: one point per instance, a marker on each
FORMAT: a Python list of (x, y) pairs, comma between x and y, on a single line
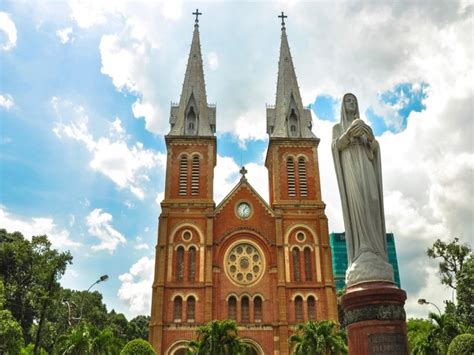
[(375, 319)]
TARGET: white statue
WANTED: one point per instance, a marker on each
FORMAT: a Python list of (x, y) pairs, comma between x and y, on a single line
[(356, 156)]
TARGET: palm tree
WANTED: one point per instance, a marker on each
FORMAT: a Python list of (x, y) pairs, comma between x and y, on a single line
[(318, 338), (217, 338)]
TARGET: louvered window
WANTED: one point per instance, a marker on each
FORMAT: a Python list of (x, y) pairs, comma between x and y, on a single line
[(195, 176), (180, 264), (245, 309), (296, 264), (302, 177), (190, 309), (192, 264), (257, 309), (183, 176), (311, 308), (299, 309), (307, 264), (178, 306), (232, 308), (290, 168)]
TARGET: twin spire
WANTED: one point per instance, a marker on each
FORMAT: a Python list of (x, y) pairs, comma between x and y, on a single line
[(194, 117)]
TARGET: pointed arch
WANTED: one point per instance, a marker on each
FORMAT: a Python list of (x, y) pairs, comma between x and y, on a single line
[(293, 119), (191, 117)]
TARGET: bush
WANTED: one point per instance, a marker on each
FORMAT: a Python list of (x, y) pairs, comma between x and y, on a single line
[(138, 347), (463, 344)]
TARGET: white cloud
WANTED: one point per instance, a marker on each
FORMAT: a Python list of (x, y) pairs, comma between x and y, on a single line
[(160, 196), (213, 60), (29, 227), (88, 13), (6, 101), (141, 246), (136, 286), (127, 166), (226, 176), (250, 125), (65, 35), (99, 225), (10, 34)]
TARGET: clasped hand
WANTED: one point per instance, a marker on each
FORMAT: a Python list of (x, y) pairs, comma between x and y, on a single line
[(359, 128)]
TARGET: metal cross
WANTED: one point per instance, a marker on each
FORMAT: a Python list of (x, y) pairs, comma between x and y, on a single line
[(243, 171), (283, 17), (197, 13)]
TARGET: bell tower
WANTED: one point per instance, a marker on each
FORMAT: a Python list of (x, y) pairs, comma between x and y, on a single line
[(182, 287), (302, 237)]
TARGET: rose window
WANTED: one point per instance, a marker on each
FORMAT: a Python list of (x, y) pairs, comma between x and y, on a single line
[(244, 264)]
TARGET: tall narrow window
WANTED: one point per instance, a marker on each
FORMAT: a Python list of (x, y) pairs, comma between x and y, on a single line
[(293, 124), (183, 176), (192, 264), (232, 308), (180, 264), (191, 122), (302, 177), (299, 309), (178, 306), (296, 264), (195, 175), (308, 270), (245, 317), (311, 308), (257, 309), (190, 309), (290, 169)]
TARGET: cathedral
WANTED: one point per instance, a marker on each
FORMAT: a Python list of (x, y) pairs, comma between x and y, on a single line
[(266, 265)]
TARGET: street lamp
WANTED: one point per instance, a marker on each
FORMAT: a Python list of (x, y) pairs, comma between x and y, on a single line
[(422, 301)]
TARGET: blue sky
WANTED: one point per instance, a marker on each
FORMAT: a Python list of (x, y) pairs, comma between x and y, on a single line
[(85, 91)]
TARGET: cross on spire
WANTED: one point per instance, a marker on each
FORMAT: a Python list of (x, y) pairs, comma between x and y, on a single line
[(283, 17), (243, 171), (197, 13)]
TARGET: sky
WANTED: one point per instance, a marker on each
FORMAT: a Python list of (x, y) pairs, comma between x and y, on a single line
[(85, 94)]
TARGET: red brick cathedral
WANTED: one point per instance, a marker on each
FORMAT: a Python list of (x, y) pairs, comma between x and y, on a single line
[(265, 265)]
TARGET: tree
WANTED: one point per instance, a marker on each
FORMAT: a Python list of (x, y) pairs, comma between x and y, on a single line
[(11, 335), (139, 327), (418, 334), (218, 338), (463, 344), (457, 271), (321, 337), (138, 347)]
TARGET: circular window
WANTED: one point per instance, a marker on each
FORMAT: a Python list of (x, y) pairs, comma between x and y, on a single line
[(187, 236), (300, 237), (244, 263)]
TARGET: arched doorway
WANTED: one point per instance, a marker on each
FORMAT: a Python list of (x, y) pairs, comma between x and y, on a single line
[(253, 347)]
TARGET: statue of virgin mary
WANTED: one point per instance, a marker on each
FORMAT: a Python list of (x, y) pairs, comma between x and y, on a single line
[(356, 156)]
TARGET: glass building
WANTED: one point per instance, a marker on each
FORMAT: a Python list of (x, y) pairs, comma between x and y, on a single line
[(339, 258)]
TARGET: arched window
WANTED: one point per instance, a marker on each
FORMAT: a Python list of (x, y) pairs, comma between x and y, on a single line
[(190, 309), (180, 264), (232, 308), (195, 175), (177, 309), (290, 170), (296, 264), (293, 123), (183, 175), (192, 264), (302, 177), (299, 309), (257, 309), (191, 121), (311, 308), (245, 314), (308, 270)]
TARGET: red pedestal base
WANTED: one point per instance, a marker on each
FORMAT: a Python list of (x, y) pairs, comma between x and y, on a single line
[(375, 319)]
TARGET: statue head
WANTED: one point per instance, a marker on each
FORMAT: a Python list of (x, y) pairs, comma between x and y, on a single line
[(349, 109)]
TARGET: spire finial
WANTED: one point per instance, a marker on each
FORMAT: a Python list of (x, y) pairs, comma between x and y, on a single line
[(283, 17), (243, 171), (197, 13)]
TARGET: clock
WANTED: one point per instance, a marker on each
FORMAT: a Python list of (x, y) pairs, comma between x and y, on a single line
[(243, 210)]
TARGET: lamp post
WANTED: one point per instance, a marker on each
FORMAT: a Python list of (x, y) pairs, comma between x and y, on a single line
[(423, 301)]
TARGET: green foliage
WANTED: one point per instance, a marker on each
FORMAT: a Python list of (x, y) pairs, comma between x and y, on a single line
[(139, 327), (11, 335), (219, 338), (318, 338), (138, 347), (418, 332), (463, 344)]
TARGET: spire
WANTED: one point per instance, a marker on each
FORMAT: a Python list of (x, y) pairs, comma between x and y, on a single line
[(193, 116), (288, 118)]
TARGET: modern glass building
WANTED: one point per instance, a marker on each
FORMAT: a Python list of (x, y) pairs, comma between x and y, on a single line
[(339, 258)]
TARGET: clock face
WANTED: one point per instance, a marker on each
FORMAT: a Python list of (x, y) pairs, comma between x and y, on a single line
[(243, 210)]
